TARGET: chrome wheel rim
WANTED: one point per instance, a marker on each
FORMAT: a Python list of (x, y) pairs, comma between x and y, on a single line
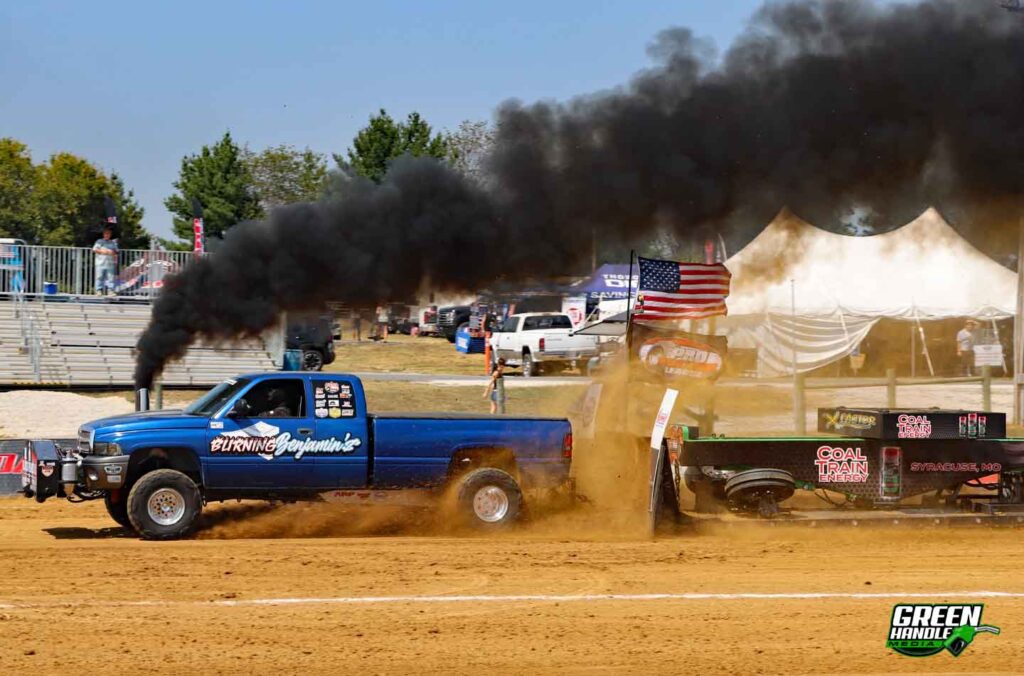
[(490, 504), (166, 506)]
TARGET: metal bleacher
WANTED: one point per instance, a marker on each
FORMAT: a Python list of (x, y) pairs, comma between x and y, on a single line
[(91, 342)]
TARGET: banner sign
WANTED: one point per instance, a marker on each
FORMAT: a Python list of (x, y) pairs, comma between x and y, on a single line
[(988, 355), (576, 308), (666, 354)]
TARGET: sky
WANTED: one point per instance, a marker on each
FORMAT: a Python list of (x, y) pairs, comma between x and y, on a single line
[(135, 86)]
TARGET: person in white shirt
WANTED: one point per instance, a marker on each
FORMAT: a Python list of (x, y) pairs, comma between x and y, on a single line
[(105, 250), (382, 323), (965, 347)]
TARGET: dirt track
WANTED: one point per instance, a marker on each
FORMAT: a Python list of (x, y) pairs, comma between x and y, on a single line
[(73, 580)]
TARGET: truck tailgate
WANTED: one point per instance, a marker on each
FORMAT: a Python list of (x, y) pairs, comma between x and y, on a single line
[(563, 343)]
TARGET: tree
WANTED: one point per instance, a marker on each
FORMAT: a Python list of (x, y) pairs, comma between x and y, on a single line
[(283, 175), (69, 201), (382, 140), (61, 202), (469, 146), (220, 179), (129, 230), (18, 177)]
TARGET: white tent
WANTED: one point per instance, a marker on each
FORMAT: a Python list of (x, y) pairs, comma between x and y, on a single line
[(805, 293)]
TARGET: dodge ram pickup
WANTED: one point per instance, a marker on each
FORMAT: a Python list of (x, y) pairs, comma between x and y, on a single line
[(541, 340), (293, 436)]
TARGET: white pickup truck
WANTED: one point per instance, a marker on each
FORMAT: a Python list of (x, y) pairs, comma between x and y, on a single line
[(541, 340)]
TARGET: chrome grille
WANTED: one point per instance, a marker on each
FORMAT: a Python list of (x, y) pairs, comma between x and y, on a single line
[(446, 317), (83, 442)]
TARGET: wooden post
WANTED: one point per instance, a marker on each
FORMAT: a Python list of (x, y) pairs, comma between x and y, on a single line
[(799, 405), (1018, 330), (158, 394), (890, 388), (913, 352), (500, 388), (986, 388)]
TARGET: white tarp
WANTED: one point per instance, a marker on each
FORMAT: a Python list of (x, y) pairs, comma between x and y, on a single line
[(797, 287)]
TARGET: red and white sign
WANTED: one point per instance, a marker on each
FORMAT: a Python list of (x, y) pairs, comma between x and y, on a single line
[(913, 427), (838, 465), (199, 246), (576, 308), (664, 413), (10, 463)]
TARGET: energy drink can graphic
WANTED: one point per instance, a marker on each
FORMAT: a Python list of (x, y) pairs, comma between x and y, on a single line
[(962, 429), (891, 474), (982, 425), (972, 425)]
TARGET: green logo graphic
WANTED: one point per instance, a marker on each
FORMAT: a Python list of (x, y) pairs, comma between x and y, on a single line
[(923, 629)]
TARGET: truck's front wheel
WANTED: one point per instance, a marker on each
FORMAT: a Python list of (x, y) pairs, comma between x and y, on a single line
[(164, 505), (489, 499)]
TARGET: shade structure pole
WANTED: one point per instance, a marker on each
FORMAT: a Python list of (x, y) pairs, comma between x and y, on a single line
[(799, 405), (924, 344), (1018, 329)]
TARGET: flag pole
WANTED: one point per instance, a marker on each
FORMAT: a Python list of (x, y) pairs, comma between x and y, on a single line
[(629, 299), (629, 341)]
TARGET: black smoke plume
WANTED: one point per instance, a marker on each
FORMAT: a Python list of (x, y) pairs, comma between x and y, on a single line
[(829, 108)]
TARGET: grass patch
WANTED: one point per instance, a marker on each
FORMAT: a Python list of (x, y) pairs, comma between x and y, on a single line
[(405, 354)]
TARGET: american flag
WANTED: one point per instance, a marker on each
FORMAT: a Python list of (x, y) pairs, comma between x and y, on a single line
[(672, 290)]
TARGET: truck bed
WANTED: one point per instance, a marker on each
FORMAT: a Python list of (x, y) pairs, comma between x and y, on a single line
[(410, 449)]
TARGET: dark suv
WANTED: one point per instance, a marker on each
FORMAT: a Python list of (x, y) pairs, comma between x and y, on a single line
[(313, 335), (450, 318)]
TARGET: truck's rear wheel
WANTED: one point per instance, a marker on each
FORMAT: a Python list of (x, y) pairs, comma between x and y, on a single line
[(118, 510), (530, 367), (489, 499), (164, 505)]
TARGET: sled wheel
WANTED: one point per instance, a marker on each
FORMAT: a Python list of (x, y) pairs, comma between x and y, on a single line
[(760, 489)]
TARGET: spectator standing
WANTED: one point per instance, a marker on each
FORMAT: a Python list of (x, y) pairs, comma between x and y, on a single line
[(496, 385), (965, 347), (357, 325), (105, 250), (382, 322)]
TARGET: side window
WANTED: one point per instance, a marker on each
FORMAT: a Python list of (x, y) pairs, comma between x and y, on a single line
[(531, 323), (277, 398), (333, 399), (510, 325)]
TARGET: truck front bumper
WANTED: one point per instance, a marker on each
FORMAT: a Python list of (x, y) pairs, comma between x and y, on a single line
[(104, 472), (49, 471)]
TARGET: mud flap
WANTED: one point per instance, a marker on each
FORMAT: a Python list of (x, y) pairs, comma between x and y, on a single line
[(665, 515)]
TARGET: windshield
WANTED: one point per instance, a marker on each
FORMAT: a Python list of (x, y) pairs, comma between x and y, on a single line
[(212, 401)]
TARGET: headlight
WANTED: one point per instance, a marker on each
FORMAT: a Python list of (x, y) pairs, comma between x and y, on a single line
[(105, 448)]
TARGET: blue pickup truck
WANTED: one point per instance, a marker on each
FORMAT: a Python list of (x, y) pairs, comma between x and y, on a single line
[(294, 436)]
